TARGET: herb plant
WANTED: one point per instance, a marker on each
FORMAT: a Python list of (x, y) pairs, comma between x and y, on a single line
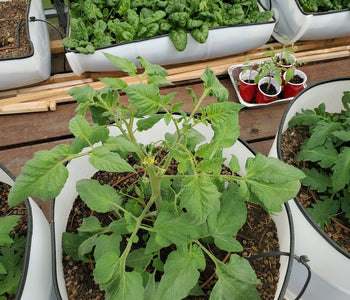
[(177, 213), (105, 22), (328, 151), (11, 256), (324, 5)]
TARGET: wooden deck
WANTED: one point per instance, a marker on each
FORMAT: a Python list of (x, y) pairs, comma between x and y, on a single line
[(22, 134)]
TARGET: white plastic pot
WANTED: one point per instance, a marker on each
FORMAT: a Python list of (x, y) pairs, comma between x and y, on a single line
[(222, 41), (35, 67), (81, 168), (292, 22), (36, 280), (329, 263)]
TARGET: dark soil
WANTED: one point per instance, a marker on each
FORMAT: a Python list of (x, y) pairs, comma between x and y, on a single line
[(291, 142), (5, 210), (258, 235), (13, 29), (268, 89), (296, 79)]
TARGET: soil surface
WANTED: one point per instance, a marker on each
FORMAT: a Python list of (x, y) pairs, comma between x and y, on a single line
[(5, 210), (258, 235), (291, 141), (13, 29)]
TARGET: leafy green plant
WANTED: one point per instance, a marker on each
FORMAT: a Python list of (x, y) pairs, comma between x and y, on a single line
[(328, 151), (179, 214), (105, 22), (324, 5), (11, 256)]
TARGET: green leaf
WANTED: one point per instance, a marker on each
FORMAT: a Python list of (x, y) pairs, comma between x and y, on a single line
[(342, 135), (325, 154), (178, 230), (100, 198), (320, 133), (179, 38), (43, 176), (345, 203), (200, 34), (107, 243), (199, 196), (105, 160), (145, 98), (213, 85), (341, 175), (114, 83), (7, 224), (180, 275), (232, 215), (236, 280), (107, 267), (147, 123), (319, 181), (138, 258), (80, 127), (322, 210), (122, 63), (151, 287), (271, 181), (121, 145)]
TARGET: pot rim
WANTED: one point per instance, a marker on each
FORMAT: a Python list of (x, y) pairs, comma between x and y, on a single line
[(279, 156)]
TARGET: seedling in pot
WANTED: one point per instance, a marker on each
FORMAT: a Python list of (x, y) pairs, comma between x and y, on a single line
[(178, 214)]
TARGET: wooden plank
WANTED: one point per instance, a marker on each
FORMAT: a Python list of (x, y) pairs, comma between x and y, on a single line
[(28, 107), (56, 47)]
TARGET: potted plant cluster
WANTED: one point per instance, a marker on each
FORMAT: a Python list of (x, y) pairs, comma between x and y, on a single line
[(163, 32), (321, 210), (25, 252), (310, 20), (24, 45), (275, 77), (156, 243)]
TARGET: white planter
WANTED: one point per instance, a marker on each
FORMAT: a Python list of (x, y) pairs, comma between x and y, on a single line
[(36, 280), (35, 67), (221, 41), (292, 22), (329, 263), (80, 168)]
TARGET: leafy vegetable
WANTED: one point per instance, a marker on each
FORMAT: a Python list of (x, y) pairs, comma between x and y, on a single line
[(11, 256), (328, 150), (101, 23), (176, 213), (324, 5)]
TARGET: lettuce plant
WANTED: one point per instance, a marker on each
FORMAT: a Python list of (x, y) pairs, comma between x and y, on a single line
[(179, 213), (327, 156), (98, 23)]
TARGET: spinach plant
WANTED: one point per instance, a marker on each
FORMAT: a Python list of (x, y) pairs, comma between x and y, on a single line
[(324, 5), (98, 23), (328, 151), (11, 256), (180, 213)]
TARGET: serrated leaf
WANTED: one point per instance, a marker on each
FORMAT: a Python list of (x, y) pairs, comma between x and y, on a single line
[(122, 63), (234, 164), (178, 230), (321, 132), (342, 135), (213, 85), (213, 165), (148, 122), (322, 210), (43, 176), (105, 160), (232, 215), (80, 127), (341, 169), (7, 224), (114, 83), (100, 198), (236, 280), (180, 276), (121, 145), (145, 98), (199, 196), (316, 180), (325, 154)]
